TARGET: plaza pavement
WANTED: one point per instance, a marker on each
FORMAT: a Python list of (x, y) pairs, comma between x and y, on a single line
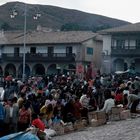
[(116, 130)]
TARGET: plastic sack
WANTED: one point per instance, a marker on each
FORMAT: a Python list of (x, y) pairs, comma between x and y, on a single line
[(50, 132), (20, 136), (2, 93)]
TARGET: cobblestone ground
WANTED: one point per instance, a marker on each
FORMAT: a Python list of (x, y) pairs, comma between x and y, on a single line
[(119, 130)]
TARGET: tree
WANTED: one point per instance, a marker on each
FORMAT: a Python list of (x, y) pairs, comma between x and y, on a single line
[(5, 26)]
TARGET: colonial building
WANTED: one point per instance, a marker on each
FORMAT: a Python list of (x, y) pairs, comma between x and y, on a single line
[(49, 52), (121, 48)]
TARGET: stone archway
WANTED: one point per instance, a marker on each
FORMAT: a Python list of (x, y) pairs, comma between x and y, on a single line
[(118, 65), (10, 69), (137, 65), (27, 71), (52, 69), (1, 71), (71, 69), (38, 69)]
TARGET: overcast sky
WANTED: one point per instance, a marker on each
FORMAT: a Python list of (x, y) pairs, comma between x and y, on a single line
[(120, 9)]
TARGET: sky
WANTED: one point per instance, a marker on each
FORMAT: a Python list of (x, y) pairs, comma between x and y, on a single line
[(127, 10)]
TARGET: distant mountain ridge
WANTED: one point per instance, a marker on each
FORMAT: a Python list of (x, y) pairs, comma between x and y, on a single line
[(53, 17)]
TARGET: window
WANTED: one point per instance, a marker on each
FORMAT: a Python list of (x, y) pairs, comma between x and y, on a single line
[(69, 50), (90, 51), (126, 44), (33, 50), (50, 51), (137, 43), (132, 44), (113, 44), (120, 44), (16, 51), (132, 47)]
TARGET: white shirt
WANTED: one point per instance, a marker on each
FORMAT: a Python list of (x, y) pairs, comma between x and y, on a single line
[(109, 103), (126, 92), (11, 112), (84, 100)]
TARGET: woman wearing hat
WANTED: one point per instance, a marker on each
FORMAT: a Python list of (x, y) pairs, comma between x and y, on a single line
[(47, 111)]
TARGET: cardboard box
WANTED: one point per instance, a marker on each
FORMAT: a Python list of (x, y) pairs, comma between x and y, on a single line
[(138, 111), (84, 122), (115, 114), (59, 129), (116, 110), (99, 122), (91, 115), (125, 114), (97, 115), (94, 123), (68, 128), (78, 125)]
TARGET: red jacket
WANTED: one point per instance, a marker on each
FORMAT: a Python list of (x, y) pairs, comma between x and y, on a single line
[(38, 124)]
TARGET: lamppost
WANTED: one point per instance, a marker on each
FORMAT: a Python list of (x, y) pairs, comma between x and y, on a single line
[(24, 42), (13, 15), (35, 17)]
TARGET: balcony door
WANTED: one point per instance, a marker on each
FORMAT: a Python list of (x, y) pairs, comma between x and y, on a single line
[(33, 50), (16, 51), (69, 51), (50, 51)]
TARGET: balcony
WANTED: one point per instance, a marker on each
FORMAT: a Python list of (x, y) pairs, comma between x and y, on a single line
[(125, 52), (38, 57)]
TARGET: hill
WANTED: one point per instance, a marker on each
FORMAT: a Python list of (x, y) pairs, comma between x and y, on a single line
[(53, 17)]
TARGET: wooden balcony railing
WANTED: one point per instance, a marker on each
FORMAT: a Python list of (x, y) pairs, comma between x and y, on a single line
[(126, 52), (43, 57)]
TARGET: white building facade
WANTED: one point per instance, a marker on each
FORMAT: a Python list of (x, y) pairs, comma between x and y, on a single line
[(49, 52), (121, 49)]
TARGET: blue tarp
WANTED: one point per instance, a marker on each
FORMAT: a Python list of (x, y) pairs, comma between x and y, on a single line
[(20, 136)]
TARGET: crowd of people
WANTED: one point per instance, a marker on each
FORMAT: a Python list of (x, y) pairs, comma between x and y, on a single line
[(43, 101)]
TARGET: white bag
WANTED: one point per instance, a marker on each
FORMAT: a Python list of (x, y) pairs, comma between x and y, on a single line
[(50, 132)]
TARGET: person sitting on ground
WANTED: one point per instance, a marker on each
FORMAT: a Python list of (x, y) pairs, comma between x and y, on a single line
[(47, 110), (69, 111), (77, 108), (109, 102), (119, 96), (37, 122), (84, 100)]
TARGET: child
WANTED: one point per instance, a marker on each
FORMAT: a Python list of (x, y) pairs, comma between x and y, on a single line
[(36, 121)]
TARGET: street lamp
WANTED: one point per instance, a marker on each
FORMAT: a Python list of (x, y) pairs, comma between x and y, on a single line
[(24, 42), (15, 13)]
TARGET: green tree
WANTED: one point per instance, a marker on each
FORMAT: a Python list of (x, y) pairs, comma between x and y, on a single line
[(5, 26), (70, 27)]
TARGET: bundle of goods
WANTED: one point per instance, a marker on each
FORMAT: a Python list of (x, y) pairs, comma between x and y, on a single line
[(115, 114), (97, 118)]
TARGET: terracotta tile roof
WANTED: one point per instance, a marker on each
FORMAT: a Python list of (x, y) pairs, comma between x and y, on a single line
[(37, 37), (6, 37), (126, 28)]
